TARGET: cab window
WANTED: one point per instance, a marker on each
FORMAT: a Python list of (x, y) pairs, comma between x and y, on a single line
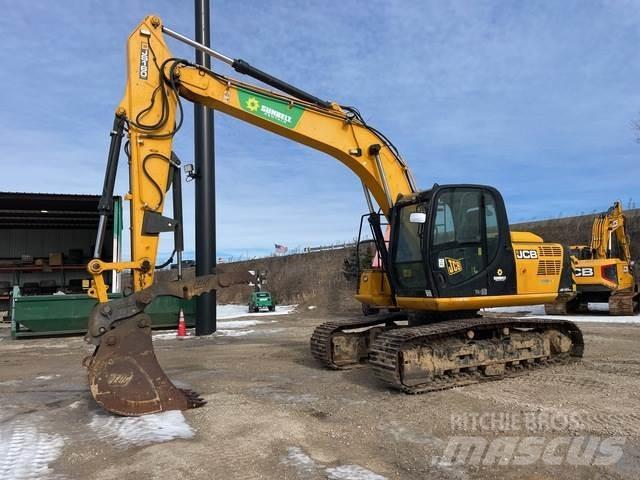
[(491, 226), (464, 233)]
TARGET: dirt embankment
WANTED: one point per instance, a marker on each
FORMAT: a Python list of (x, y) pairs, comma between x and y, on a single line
[(308, 279), (577, 230)]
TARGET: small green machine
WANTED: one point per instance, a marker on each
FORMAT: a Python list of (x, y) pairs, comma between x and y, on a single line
[(261, 301)]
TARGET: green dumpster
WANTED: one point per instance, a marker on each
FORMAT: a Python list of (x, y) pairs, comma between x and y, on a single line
[(45, 315)]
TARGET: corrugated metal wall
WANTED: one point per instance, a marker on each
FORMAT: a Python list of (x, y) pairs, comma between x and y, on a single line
[(39, 243)]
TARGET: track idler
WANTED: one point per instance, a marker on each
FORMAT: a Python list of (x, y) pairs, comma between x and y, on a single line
[(125, 377)]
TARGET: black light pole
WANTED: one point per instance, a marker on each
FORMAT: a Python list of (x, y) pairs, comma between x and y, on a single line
[(205, 185)]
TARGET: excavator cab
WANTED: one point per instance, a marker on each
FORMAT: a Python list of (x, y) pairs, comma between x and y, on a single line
[(445, 242), (461, 232)]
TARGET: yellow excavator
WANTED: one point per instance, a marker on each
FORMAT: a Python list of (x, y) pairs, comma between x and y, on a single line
[(603, 271), (450, 252)]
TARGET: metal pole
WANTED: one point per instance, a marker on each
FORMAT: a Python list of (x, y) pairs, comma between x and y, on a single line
[(205, 185)]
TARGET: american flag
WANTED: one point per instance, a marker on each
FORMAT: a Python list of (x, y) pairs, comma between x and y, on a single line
[(281, 248)]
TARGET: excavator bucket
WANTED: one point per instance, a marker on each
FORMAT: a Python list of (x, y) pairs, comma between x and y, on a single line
[(125, 377), (124, 374)]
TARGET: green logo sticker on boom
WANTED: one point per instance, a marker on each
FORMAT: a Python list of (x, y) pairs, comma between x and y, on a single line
[(275, 111)]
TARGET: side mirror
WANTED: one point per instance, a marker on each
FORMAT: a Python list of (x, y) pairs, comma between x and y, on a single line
[(418, 217)]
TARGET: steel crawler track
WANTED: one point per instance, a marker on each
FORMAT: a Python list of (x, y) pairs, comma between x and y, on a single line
[(623, 303), (321, 340), (386, 351)]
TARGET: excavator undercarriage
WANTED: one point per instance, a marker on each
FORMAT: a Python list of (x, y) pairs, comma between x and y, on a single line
[(624, 302), (446, 354)]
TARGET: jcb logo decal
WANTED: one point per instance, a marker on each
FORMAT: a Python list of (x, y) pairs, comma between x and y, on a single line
[(526, 254), (453, 266), (583, 272)]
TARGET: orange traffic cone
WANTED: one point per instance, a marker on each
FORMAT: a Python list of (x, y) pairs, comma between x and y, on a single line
[(182, 326)]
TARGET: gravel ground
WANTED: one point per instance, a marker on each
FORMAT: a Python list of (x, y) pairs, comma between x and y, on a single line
[(272, 413)]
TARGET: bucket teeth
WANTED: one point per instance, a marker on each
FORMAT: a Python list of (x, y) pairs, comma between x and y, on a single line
[(193, 398)]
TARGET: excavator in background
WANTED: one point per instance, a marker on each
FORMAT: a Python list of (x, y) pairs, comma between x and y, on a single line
[(450, 251), (603, 271)]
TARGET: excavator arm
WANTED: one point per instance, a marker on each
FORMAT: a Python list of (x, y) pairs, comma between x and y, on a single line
[(605, 227), (124, 374)]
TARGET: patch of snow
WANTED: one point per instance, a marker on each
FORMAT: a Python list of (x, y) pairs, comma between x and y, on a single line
[(234, 324), (47, 377), (75, 404), (10, 382), (352, 472), (27, 452), (229, 329), (226, 326), (300, 460), (594, 318), (235, 311), (169, 335), (144, 430), (602, 308), (233, 333), (305, 465), (311, 307)]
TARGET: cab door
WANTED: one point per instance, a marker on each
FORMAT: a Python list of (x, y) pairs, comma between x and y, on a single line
[(408, 266), (469, 252)]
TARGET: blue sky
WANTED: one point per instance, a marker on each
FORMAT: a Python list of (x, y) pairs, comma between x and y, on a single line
[(537, 98)]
